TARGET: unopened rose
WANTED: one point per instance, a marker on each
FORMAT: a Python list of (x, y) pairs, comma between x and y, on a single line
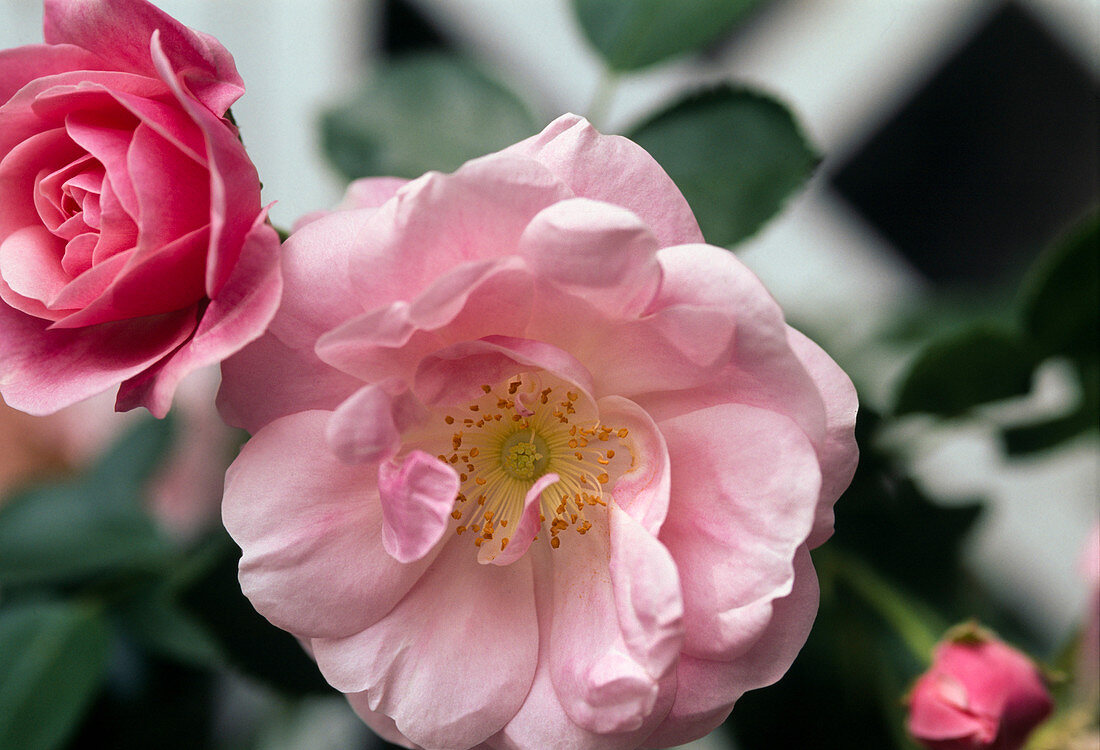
[(979, 694), (133, 247), (532, 465)]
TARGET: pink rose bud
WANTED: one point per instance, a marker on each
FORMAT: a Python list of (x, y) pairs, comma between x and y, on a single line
[(979, 694), (133, 246)]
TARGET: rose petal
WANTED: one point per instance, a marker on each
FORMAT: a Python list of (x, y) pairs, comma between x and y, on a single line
[(707, 690), (368, 425), (234, 186), (580, 156), (838, 453), (643, 490), (238, 315), (530, 521), (762, 369), (44, 371), (441, 221), (745, 484), (21, 65), (473, 300), (611, 641), (454, 659), (450, 375), (40, 153), (417, 497), (309, 525), (602, 251), (30, 264), (118, 31)]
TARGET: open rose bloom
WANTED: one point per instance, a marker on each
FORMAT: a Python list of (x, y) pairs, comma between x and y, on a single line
[(133, 248), (532, 466)]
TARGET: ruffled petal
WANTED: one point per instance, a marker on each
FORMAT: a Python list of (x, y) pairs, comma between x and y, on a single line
[(761, 369), (235, 317), (614, 637), (580, 156), (452, 662), (368, 425), (491, 297), (707, 690), (310, 527), (838, 453), (745, 484), (417, 496), (118, 31), (450, 375), (438, 222), (43, 371), (530, 521), (597, 249), (643, 490)]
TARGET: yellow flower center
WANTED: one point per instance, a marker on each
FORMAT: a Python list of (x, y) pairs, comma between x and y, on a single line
[(519, 431)]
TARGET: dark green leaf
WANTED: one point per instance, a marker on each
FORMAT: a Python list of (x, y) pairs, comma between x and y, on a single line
[(155, 621), (120, 476), (1060, 298), (631, 34), (972, 367), (92, 525), (252, 644), (58, 534), (52, 661), (736, 155), (421, 113)]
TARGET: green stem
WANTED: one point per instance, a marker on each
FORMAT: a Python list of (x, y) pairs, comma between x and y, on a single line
[(601, 100), (918, 627)]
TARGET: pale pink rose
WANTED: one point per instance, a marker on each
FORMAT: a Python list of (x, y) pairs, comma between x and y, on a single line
[(532, 465), (133, 247), (979, 694)]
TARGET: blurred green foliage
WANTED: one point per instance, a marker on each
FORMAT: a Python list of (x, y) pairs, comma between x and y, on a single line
[(419, 113), (114, 635), (735, 154), (634, 34), (1055, 314)]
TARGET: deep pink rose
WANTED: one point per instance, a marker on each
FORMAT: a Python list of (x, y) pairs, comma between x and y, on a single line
[(133, 247), (979, 694), (532, 465)]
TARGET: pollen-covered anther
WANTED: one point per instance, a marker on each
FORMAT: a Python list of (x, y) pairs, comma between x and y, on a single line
[(520, 433)]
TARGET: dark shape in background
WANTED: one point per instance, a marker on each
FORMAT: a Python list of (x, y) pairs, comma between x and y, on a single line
[(990, 159), (405, 30)]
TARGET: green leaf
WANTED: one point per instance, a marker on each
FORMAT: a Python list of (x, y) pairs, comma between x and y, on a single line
[(159, 624), (420, 113), (974, 366), (120, 476), (52, 660), (735, 154), (1060, 297), (632, 34), (94, 524), (251, 643)]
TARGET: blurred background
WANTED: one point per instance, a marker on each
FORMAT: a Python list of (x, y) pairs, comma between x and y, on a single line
[(958, 139)]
